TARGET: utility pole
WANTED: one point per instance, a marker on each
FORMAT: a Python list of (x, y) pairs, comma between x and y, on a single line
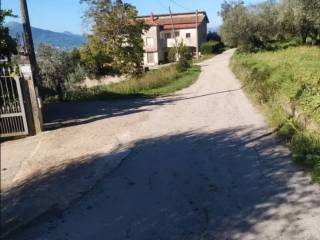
[(197, 35), (174, 32), (33, 80)]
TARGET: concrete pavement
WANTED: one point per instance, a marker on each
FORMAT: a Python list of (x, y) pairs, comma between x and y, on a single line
[(202, 165)]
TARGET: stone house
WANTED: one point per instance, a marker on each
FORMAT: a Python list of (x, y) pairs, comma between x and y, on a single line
[(168, 30)]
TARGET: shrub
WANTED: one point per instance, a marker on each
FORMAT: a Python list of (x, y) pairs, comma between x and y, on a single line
[(183, 64), (172, 55), (211, 47), (153, 83), (184, 57), (60, 70), (183, 51)]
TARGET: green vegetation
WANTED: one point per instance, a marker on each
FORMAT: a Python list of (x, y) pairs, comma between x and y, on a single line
[(256, 27), (180, 51), (8, 45), (115, 44), (286, 83), (60, 71), (154, 83), (203, 58), (211, 47)]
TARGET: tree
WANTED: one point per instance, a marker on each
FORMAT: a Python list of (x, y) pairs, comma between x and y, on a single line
[(59, 70), (175, 53), (95, 57), (8, 45), (266, 18), (240, 26), (310, 10), (258, 26), (303, 16), (117, 34), (213, 36)]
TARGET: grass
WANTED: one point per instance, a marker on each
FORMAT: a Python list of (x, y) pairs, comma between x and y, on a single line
[(203, 58), (287, 77), (152, 84)]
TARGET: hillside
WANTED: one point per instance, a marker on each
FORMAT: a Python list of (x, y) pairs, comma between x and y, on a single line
[(65, 40)]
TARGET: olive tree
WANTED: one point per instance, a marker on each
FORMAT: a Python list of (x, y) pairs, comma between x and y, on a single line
[(60, 70)]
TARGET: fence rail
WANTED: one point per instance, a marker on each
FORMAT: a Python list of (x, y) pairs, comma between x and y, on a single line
[(12, 112)]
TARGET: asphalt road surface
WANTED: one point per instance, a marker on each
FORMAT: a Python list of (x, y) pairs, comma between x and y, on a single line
[(203, 165)]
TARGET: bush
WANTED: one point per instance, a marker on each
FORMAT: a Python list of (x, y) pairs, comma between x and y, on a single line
[(183, 51), (211, 47), (184, 57), (153, 83), (172, 55), (60, 70), (183, 64)]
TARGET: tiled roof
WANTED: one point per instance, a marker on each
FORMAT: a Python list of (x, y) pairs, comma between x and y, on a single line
[(187, 20)]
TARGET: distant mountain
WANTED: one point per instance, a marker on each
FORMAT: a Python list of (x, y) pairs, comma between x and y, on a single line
[(65, 40)]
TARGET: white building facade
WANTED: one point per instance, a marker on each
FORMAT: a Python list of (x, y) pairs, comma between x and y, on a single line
[(166, 31)]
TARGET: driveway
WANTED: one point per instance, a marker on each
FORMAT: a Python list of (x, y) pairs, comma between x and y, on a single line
[(202, 165)]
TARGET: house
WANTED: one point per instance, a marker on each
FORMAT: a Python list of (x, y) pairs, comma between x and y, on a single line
[(168, 30)]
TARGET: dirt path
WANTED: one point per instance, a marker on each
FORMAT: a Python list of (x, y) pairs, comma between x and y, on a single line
[(202, 166)]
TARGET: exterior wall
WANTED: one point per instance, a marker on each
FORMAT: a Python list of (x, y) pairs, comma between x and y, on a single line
[(160, 44), (170, 42), (152, 33), (202, 33), (156, 59)]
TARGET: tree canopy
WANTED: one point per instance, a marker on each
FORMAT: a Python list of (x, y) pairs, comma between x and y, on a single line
[(115, 42), (8, 45), (60, 70), (255, 26)]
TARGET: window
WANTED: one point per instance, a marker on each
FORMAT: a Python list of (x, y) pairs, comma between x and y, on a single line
[(149, 41), (177, 34), (188, 35), (150, 57), (167, 35)]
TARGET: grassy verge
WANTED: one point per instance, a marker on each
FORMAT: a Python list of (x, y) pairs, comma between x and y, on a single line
[(203, 58), (154, 83), (289, 77)]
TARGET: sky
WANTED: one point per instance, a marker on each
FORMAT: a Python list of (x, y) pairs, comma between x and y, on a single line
[(65, 15)]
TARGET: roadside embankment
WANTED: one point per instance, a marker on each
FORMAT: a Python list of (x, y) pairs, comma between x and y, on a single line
[(155, 83), (286, 85)]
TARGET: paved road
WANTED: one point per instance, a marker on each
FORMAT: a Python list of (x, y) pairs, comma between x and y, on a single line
[(202, 166)]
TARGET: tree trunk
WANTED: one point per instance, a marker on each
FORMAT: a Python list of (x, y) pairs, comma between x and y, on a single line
[(59, 89), (314, 37), (304, 38)]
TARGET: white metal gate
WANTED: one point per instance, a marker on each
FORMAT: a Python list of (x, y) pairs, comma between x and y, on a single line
[(12, 112)]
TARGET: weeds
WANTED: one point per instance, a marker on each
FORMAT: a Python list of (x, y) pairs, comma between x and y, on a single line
[(278, 78), (154, 83)]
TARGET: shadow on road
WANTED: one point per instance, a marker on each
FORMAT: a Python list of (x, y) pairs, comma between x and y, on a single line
[(59, 115), (186, 186)]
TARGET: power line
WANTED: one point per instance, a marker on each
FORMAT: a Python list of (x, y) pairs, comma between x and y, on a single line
[(162, 5), (181, 6)]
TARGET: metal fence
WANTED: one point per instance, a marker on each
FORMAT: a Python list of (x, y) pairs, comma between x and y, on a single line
[(12, 112)]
